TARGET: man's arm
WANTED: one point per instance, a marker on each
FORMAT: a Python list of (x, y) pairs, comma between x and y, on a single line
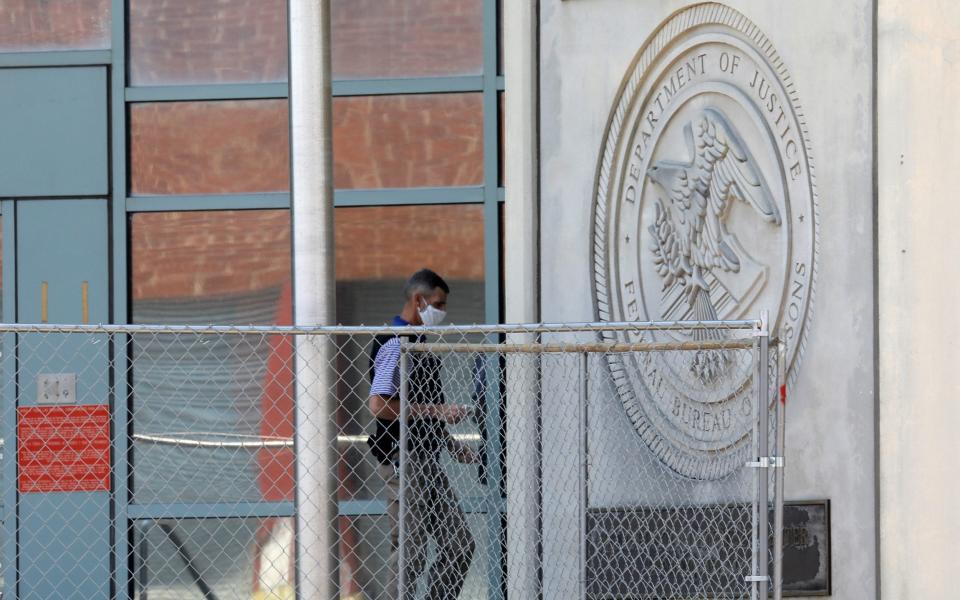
[(384, 400), (384, 407)]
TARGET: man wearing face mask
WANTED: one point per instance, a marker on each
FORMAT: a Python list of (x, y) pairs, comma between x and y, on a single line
[(432, 508)]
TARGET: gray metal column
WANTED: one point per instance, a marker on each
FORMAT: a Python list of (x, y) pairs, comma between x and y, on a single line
[(314, 300)]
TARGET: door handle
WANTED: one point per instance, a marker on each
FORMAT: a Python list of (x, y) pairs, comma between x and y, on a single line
[(85, 301), (44, 301)]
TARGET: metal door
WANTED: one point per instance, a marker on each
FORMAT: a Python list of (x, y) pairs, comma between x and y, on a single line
[(53, 185), (63, 534)]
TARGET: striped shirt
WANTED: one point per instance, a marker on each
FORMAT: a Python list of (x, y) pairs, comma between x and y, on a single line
[(386, 370)]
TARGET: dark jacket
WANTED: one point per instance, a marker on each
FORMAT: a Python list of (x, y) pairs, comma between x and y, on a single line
[(424, 386)]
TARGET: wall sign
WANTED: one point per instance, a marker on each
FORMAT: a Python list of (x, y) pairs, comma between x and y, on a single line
[(63, 448), (704, 209)]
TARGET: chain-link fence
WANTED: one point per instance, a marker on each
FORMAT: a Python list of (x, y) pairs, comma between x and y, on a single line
[(551, 461)]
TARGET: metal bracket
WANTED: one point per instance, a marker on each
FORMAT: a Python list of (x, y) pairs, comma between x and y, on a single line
[(756, 578), (767, 462)]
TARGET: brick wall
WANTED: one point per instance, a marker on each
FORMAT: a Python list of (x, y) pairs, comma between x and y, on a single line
[(54, 24)]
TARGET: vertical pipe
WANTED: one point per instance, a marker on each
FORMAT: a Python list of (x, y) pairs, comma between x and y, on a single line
[(316, 504), (521, 160), (582, 470), (311, 181), (521, 296), (404, 462), (764, 448), (779, 472), (523, 469)]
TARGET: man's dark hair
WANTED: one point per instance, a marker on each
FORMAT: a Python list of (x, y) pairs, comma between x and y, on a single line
[(424, 282)]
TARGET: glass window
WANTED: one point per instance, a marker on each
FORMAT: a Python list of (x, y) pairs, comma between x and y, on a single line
[(499, 37), (2, 316), (234, 41), (209, 147), (365, 549), (231, 558), (406, 38), (408, 141), (216, 267), (31, 25), (379, 247), (202, 404), (227, 41)]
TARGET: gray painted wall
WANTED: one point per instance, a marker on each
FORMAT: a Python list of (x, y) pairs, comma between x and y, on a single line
[(585, 49)]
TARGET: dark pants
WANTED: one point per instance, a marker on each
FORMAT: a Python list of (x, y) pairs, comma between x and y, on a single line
[(432, 512)]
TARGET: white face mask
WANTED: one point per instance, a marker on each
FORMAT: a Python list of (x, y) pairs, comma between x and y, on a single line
[(432, 316)]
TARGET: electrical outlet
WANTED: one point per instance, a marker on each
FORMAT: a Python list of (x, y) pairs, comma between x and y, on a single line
[(56, 388)]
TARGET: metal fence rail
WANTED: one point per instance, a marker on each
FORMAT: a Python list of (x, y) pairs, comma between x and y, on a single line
[(588, 460)]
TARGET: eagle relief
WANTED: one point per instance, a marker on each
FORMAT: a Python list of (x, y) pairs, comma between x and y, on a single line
[(705, 209)]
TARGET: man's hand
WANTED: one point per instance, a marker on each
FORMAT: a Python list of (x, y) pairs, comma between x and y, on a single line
[(451, 414), (462, 453)]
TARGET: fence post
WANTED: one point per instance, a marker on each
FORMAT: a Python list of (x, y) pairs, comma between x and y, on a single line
[(763, 418), (404, 461), (755, 473), (582, 468), (779, 472), (492, 400), (315, 439)]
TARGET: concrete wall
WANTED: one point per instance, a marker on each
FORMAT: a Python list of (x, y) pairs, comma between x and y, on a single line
[(918, 125), (586, 47)]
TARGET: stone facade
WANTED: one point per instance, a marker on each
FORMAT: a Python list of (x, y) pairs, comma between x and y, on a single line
[(585, 50)]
